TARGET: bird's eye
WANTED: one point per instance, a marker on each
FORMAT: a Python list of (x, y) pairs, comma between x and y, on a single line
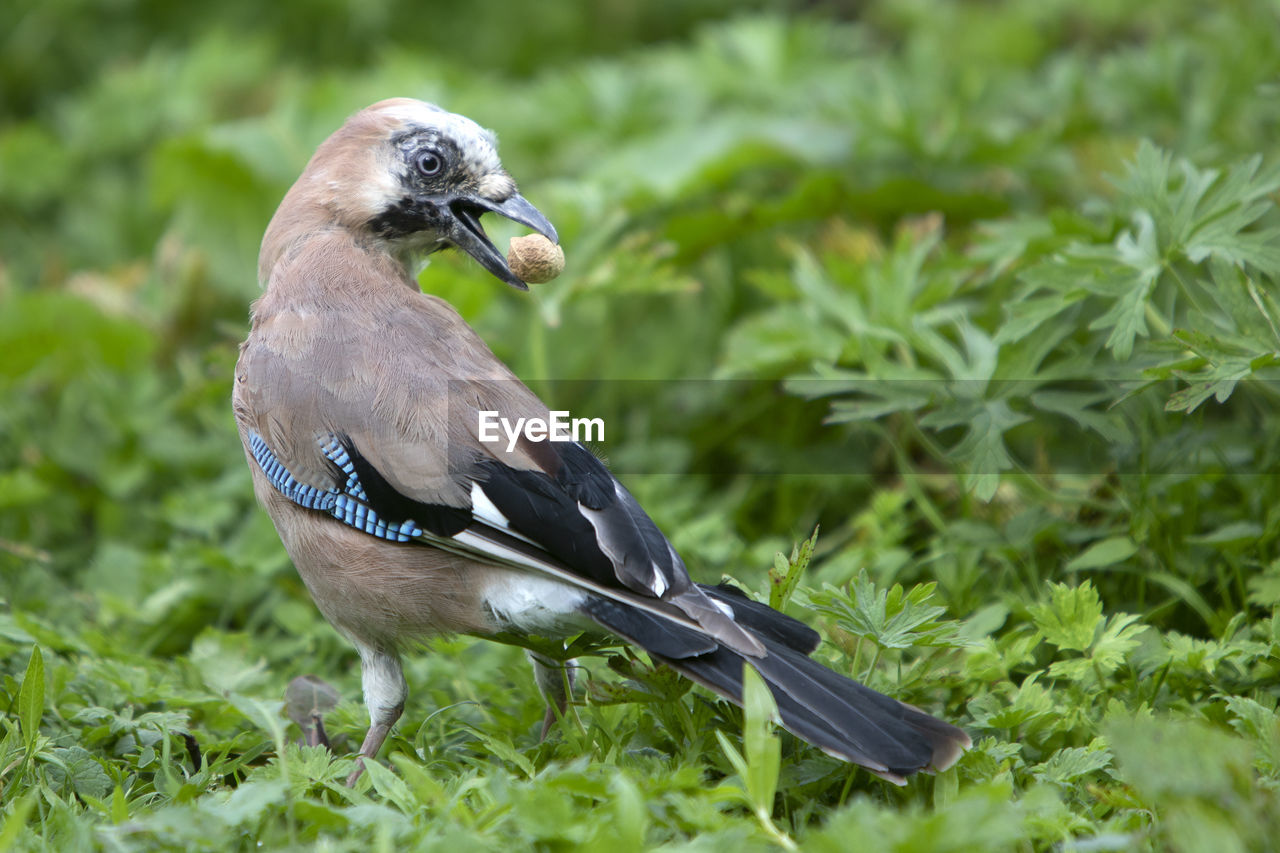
[(430, 163)]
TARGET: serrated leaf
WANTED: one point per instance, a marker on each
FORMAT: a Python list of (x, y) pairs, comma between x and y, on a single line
[(1126, 318), (1073, 762), (786, 574), (1031, 703), (784, 336), (853, 411), (76, 767), (893, 391), (1264, 586), (1255, 720), (1071, 618), (1079, 669), (1002, 243), (1219, 383), (1118, 638), (891, 617), (982, 453), (1076, 405), (1028, 314)]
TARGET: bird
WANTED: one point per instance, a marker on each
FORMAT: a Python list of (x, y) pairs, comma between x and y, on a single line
[(358, 398)]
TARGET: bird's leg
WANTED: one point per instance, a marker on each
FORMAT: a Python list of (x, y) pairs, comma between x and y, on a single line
[(384, 695), (555, 681)]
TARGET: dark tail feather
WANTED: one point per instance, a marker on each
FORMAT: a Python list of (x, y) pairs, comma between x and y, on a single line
[(837, 714), (763, 620)]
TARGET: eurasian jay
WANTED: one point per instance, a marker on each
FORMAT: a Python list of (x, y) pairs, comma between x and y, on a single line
[(358, 397)]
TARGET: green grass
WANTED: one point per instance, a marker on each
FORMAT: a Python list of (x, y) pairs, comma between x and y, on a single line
[(986, 292)]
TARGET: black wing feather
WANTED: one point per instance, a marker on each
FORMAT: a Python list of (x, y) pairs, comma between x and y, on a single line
[(587, 520), (539, 509), (583, 476)]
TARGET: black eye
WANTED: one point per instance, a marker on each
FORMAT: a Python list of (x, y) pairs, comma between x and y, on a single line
[(429, 163)]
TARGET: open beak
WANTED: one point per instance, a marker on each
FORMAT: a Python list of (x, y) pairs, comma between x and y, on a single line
[(469, 236)]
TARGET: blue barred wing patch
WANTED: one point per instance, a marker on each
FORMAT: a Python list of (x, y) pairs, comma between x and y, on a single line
[(347, 504)]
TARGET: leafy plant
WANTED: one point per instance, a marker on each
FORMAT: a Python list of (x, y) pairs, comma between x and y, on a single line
[(988, 292)]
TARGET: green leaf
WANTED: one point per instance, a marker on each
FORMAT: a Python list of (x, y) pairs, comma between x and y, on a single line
[(1072, 762), (1264, 586), (1003, 243), (504, 749), (223, 661), (392, 788), (892, 618), (1170, 760), (16, 819), (77, 768), (735, 758), (1126, 318), (1026, 315), (1234, 533), (1117, 640), (982, 453), (1108, 552), (785, 336), (248, 804), (1030, 707), (786, 574), (31, 698), (630, 812), (1076, 405), (119, 806), (760, 744), (1070, 619)]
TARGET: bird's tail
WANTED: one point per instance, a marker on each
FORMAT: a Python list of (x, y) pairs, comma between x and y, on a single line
[(842, 717)]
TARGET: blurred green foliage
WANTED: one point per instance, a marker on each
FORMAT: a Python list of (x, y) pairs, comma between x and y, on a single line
[(1014, 264)]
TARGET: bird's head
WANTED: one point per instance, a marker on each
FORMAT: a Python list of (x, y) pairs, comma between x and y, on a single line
[(417, 179)]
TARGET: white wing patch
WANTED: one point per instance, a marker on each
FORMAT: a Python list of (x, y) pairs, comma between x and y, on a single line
[(483, 509), (659, 585), (480, 545)]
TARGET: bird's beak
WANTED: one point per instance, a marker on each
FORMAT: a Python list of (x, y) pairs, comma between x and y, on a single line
[(470, 236)]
